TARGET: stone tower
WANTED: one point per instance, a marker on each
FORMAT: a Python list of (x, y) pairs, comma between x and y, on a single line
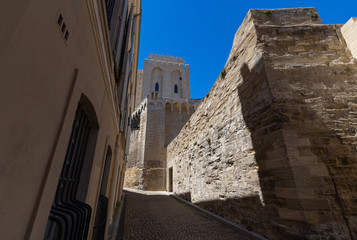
[(167, 77), (165, 107)]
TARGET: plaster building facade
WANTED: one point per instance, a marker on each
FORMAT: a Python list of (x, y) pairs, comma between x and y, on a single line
[(66, 70), (164, 107), (273, 145)]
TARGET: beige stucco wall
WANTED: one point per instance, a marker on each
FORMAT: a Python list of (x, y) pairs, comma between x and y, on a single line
[(38, 69)]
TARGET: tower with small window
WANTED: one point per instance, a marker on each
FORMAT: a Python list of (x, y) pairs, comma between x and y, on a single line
[(163, 106), (165, 77)]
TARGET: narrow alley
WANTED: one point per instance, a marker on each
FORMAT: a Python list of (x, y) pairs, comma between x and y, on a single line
[(150, 215)]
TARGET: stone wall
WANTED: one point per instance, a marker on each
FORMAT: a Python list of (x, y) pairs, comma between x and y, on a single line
[(164, 93), (135, 163), (166, 71), (349, 31), (273, 146), (139, 86), (155, 154), (160, 122)]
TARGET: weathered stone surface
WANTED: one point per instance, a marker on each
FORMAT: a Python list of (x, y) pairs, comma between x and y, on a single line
[(273, 146), (165, 107), (349, 31), (157, 126)]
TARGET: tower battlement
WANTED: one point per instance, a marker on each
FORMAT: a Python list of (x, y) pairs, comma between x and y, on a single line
[(166, 77), (165, 59)]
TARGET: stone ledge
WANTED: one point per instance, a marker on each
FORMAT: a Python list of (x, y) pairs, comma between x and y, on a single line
[(288, 16)]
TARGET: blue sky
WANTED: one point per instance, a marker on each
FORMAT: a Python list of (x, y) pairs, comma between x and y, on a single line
[(202, 31)]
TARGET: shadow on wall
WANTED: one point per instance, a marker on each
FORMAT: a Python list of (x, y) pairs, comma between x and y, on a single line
[(265, 122), (306, 173), (252, 212), (292, 143)]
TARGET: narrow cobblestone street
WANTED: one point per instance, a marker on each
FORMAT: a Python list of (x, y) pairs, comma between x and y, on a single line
[(150, 216)]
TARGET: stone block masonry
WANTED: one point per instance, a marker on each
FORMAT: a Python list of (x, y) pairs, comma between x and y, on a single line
[(273, 144), (155, 122), (166, 71), (165, 106), (349, 31)]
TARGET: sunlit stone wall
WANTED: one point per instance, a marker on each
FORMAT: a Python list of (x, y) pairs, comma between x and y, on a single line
[(273, 144)]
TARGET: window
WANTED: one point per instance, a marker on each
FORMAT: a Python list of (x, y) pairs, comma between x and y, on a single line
[(63, 27), (74, 180), (109, 4), (175, 89), (156, 87), (60, 20), (180, 78)]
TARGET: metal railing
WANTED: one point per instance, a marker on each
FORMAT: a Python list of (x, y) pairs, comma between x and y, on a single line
[(69, 218)]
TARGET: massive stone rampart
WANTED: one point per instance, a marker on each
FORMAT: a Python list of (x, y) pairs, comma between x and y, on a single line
[(273, 144)]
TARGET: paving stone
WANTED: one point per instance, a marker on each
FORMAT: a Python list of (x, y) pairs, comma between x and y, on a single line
[(162, 217)]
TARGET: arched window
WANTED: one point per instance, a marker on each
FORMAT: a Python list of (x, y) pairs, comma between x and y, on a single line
[(175, 89), (156, 87), (72, 187)]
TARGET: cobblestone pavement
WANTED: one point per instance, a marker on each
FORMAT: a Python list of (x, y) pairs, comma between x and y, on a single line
[(162, 217)]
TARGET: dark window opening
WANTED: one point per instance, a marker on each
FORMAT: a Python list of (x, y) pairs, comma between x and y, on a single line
[(66, 35), (171, 179), (175, 89), (63, 29), (60, 20), (102, 206), (109, 4), (180, 78), (156, 87)]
